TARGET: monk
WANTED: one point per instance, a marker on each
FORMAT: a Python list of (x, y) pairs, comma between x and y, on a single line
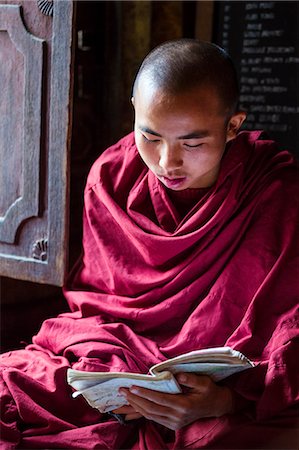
[(189, 242)]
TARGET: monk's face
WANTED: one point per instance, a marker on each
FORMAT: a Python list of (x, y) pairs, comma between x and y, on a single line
[(181, 138)]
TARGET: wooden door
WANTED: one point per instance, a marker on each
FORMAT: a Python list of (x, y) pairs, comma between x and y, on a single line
[(35, 127)]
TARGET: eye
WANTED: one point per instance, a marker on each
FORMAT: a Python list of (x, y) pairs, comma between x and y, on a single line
[(194, 146), (149, 140)]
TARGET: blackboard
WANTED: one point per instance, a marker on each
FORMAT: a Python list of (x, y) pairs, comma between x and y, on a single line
[(262, 39)]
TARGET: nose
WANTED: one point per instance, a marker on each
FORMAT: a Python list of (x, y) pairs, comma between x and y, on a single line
[(170, 157)]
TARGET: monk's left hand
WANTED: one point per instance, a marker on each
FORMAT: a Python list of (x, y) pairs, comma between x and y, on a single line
[(203, 398)]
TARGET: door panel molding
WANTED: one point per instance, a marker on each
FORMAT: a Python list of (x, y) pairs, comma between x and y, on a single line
[(31, 47)]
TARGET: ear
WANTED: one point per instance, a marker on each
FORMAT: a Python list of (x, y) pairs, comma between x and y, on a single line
[(234, 124)]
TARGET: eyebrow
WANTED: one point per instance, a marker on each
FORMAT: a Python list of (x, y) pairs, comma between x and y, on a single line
[(197, 134), (149, 131)]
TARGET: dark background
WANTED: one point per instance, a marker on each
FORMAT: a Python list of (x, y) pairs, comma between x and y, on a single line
[(262, 39)]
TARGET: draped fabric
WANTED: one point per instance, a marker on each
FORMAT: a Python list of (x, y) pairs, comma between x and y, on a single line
[(163, 273)]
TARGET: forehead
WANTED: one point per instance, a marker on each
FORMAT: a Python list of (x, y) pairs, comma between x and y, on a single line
[(156, 105)]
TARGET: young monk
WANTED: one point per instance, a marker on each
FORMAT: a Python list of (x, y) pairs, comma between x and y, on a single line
[(189, 243)]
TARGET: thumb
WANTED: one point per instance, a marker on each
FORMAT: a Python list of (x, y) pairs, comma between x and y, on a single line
[(191, 380)]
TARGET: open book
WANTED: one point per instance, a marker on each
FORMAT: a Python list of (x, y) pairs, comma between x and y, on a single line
[(100, 389)]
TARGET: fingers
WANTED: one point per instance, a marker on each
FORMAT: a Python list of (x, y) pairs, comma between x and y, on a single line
[(132, 416), (145, 400), (158, 398), (127, 409), (204, 399), (199, 382), (152, 411)]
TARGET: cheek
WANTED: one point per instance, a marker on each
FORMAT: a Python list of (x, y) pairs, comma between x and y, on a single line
[(147, 154), (206, 159)]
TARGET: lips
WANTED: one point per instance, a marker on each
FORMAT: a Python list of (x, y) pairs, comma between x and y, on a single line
[(173, 182)]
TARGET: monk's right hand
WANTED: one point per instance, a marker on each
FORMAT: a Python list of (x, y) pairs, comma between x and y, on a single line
[(201, 398), (128, 411)]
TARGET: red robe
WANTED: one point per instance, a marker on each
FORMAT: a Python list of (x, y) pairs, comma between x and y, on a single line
[(155, 281)]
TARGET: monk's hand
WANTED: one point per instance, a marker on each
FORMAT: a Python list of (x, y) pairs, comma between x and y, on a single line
[(128, 412), (202, 398)]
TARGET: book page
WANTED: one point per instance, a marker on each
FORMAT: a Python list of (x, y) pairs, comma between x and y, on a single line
[(213, 356), (80, 379), (216, 371), (105, 396)]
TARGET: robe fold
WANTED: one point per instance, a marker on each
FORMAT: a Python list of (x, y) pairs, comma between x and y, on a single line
[(163, 273)]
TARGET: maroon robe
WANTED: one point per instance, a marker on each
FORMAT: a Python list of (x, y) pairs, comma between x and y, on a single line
[(156, 280)]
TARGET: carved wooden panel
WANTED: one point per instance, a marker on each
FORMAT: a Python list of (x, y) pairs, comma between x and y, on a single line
[(21, 92), (35, 126)]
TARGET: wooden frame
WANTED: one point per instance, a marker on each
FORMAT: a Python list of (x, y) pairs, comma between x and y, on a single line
[(43, 255)]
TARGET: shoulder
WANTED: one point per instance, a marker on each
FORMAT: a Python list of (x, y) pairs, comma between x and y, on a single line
[(261, 172), (271, 176), (110, 162), (258, 144), (264, 158)]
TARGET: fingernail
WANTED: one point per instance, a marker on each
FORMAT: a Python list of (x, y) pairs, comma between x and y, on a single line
[(134, 390)]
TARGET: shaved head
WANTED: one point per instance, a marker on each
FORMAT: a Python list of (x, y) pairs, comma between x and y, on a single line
[(181, 65)]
